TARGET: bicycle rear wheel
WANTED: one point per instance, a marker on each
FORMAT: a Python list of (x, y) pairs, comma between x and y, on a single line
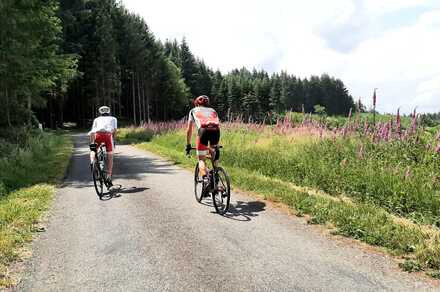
[(198, 184), (98, 180), (221, 195)]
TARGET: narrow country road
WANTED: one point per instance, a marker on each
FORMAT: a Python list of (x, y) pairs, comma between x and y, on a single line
[(154, 236)]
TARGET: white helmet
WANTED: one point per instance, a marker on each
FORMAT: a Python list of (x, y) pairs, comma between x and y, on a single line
[(104, 110)]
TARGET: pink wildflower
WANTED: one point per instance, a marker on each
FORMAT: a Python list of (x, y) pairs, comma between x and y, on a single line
[(398, 122)]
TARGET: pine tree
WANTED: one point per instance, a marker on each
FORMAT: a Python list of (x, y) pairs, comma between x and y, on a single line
[(32, 64)]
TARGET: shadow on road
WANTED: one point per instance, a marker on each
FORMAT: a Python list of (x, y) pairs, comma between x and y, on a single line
[(118, 191), (244, 211), (126, 166), (240, 211)]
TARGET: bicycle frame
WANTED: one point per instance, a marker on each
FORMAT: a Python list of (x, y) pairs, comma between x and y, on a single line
[(102, 153), (211, 154), (221, 205), (99, 164)]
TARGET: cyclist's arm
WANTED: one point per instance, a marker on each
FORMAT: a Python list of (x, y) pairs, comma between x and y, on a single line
[(91, 133), (115, 127), (189, 132)]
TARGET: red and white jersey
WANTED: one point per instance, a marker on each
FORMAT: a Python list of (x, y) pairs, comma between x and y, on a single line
[(204, 117)]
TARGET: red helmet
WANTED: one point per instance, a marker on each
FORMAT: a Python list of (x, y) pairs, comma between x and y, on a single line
[(201, 100)]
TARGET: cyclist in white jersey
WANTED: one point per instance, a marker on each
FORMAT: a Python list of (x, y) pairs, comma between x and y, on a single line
[(103, 131)]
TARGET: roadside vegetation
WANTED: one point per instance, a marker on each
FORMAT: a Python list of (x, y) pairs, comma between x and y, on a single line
[(31, 162), (378, 183)]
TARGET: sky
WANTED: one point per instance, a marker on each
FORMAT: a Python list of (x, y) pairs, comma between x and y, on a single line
[(391, 45)]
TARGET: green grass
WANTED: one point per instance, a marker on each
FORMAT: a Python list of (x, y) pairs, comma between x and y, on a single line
[(403, 177), (133, 135), (334, 122), (27, 177), (270, 167)]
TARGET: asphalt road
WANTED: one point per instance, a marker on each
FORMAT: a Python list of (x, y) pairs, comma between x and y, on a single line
[(154, 236)]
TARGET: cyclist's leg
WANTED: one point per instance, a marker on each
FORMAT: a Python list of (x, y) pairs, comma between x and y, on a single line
[(214, 139), (92, 153), (109, 148), (92, 156), (202, 151), (202, 165), (110, 163)]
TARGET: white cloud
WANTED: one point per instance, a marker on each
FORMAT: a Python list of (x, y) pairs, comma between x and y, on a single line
[(380, 7), (397, 62), (354, 40)]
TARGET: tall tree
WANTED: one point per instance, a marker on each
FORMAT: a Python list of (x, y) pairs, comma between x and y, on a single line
[(32, 64)]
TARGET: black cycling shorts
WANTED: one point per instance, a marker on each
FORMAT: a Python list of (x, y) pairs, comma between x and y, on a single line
[(209, 135)]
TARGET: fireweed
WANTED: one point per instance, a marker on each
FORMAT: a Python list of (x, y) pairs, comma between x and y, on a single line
[(385, 164), (389, 169)]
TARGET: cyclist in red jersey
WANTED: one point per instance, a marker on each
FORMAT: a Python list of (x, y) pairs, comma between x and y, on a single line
[(103, 131), (208, 130)]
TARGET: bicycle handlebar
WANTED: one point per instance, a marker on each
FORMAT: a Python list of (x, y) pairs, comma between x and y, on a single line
[(216, 147)]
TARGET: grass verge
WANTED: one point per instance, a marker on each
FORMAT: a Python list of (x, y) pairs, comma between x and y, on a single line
[(28, 181), (133, 135), (418, 245)]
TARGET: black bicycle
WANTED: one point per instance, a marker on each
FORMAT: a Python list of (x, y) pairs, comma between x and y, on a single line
[(217, 184), (98, 168)]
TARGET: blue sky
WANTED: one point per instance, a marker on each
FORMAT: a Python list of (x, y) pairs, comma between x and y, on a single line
[(393, 45)]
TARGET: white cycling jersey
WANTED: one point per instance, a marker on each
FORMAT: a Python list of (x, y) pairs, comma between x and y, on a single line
[(104, 124)]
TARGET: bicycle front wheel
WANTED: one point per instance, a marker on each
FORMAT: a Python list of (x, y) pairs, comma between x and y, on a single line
[(98, 180), (198, 184), (221, 195)]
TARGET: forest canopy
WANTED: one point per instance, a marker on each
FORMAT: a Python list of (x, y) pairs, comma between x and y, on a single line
[(61, 60)]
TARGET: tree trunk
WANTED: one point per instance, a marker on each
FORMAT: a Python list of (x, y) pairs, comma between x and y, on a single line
[(164, 111), (120, 95), (82, 107), (134, 98), (143, 100), (61, 106), (142, 97), (156, 106), (148, 107), (8, 114), (49, 106), (97, 93), (119, 104), (139, 100), (29, 106)]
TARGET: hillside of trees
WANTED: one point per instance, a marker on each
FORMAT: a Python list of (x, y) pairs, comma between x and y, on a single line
[(61, 60), (430, 119)]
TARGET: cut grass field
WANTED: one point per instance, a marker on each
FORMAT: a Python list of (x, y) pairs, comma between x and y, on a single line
[(28, 176), (265, 165)]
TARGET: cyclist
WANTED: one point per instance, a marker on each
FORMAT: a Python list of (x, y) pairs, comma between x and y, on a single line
[(208, 131), (103, 131)]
